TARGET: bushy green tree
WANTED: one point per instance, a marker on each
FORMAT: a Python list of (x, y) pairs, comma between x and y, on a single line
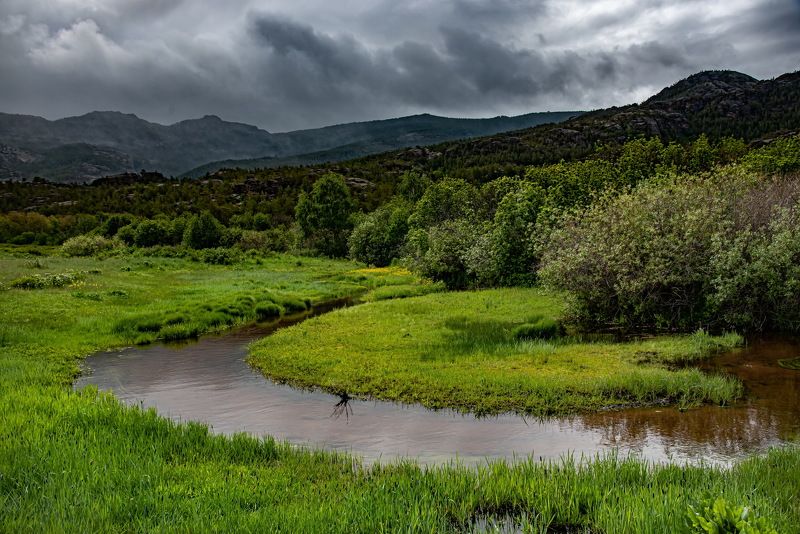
[(324, 215), (513, 243), (446, 200), (413, 185), (152, 232), (203, 231), (378, 237), (443, 252)]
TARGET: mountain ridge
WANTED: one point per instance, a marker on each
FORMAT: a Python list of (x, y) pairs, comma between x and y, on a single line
[(102, 143)]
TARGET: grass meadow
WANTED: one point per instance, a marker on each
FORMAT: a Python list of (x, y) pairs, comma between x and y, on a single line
[(82, 462)]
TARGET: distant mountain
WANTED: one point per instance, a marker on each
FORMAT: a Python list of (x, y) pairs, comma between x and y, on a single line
[(716, 103), (105, 143)]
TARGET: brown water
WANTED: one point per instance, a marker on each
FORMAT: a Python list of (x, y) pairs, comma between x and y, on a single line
[(209, 381)]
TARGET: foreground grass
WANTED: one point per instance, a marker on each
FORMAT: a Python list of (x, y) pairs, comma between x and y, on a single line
[(458, 350), (82, 462)]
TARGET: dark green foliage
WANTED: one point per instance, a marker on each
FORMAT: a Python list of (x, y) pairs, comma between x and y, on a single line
[(445, 200), (127, 234), (682, 253), (152, 232), (323, 215), (218, 256), (113, 224), (413, 185), (268, 310), (538, 328), (203, 231), (513, 235), (443, 252), (378, 237), (292, 305)]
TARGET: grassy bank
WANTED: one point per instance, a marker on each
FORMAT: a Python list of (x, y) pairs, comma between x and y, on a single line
[(469, 351), (81, 462)]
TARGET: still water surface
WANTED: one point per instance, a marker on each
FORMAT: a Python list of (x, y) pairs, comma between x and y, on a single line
[(210, 381)]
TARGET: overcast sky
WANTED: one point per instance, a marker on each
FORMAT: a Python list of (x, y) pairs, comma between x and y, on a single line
[(289, 64)]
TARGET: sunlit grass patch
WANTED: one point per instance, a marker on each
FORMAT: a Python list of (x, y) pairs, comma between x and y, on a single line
[(488, 352)]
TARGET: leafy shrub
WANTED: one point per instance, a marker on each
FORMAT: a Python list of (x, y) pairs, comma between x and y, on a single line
[(512, 244), (253, 240), (539, 328), (152, 232), (413, 185), (779, 157), (378, 237), (203, 231), (230, 237), (442, 252), (718, 516), (218, 256), (683, 253), (86, 245), (127, 234), (756, 275), (640, 258)]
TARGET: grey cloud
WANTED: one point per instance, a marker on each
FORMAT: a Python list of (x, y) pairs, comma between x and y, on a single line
[(306, 64)]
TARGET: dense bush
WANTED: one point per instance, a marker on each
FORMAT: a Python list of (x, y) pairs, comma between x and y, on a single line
[(152, 232), (87, 245), (378, 237), (512, 242), (218, 256), (779, 157), (203, 231), (443, 252), (683, 252), (445, 200)]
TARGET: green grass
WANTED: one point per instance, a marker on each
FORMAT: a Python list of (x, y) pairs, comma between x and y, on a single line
[(82, 462), (484, 352)]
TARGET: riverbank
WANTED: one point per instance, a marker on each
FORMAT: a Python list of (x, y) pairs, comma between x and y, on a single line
[(81, 461), (463, 351)]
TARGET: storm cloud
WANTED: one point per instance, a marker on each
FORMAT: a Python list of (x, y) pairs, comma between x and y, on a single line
[(302, 63)]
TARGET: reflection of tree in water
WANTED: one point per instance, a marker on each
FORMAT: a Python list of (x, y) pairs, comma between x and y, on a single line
[(343, 407), (772, 414), (708, 429)]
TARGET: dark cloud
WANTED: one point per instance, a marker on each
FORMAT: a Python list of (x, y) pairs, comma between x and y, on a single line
[(311, 63)]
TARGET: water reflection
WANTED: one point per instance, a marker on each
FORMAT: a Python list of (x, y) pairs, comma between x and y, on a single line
[(209, 381)]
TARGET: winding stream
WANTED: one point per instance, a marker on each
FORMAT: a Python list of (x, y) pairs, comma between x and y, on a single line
[(209, 381)]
